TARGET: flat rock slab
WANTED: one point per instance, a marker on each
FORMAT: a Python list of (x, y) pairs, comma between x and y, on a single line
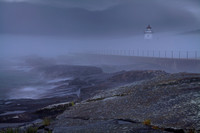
[(168, 101), (106, 126)]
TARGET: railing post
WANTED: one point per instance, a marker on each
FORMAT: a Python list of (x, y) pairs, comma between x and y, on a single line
[(195, 54), (187, 55), (153, 53), (172, 54), (179, 54)]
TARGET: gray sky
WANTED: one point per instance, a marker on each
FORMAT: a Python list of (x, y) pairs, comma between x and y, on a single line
[(55, 27), (101, 18)]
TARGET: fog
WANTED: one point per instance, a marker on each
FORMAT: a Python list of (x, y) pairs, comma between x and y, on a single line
[(12, 45), (52, 28)]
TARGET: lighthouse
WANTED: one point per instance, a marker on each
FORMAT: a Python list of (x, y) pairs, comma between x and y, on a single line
[(148, 33)]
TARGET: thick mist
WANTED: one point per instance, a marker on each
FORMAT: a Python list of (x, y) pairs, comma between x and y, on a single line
[(54, 28), (52, 46)]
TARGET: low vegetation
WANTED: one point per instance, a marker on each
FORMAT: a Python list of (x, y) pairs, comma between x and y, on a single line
[(155, 127), (32, 130), (13, 130), (46, 121), (72, 103), (147, 122)]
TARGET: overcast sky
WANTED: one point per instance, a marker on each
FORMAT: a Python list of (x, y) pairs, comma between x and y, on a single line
[(79, 18)]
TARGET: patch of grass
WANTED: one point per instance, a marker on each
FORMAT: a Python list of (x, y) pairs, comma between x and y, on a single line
[(10, 130), (155, 127), (72, 103), (191, 131), (46, 121), (31, 130), (147, 122), (49, 131)]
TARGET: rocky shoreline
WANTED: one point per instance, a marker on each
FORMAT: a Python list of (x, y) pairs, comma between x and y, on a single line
[(147, 101)]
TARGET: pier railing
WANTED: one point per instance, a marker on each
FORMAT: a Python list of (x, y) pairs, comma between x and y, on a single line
[(151, 53)]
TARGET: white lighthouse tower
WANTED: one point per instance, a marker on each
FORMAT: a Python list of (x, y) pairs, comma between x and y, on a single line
[(148, 33)]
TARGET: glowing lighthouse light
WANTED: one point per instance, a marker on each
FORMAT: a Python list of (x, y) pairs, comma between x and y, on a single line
[(148, 33)]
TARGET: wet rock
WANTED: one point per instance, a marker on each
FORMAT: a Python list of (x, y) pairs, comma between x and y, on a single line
[(132, 76), (108, 126), (117, 102), (68, 71), (78, 82), (54, 109), (168, 102), (28, 107)]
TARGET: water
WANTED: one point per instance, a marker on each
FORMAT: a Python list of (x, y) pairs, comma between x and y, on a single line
[(11, 81), (12, 112), (22, 84)]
